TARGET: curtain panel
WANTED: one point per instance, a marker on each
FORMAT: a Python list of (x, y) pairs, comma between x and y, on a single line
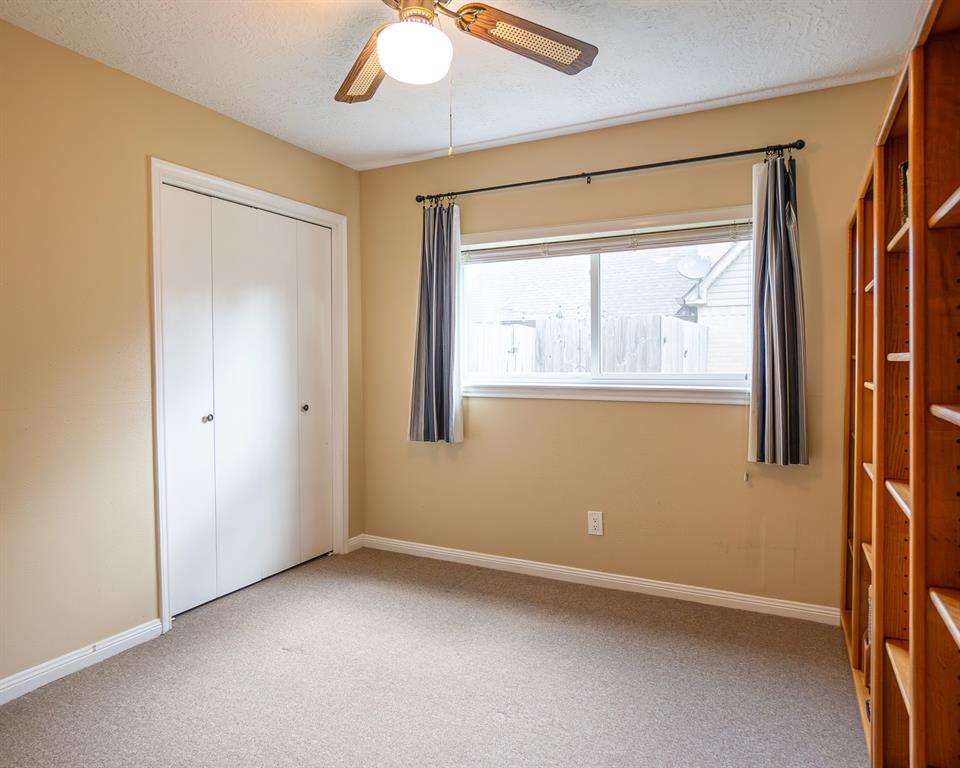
[(778, 415), (435, 402)]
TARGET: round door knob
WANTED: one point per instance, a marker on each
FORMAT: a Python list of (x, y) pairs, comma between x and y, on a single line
[(304, 407), (208, 417)]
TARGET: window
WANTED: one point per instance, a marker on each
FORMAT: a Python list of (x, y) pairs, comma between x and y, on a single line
[(662, 312)]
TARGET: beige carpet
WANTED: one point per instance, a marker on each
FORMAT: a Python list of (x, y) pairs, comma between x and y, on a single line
[(378, 660)]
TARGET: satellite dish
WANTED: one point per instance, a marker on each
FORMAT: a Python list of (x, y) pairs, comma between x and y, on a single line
[(694, 266)]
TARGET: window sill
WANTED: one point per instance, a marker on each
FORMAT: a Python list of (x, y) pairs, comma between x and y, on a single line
[(618, 392)]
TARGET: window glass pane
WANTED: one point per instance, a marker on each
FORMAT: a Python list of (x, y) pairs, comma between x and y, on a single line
[(527, 317), (679, 310)]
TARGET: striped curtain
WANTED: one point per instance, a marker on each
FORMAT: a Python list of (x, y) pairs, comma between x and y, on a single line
[(435, 413), (778, 414)]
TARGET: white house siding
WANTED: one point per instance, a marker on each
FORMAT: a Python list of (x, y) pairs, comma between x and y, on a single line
[(729, 327), (732, 288)]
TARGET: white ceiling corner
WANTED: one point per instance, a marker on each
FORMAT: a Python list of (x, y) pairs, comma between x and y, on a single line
[(275, 65)]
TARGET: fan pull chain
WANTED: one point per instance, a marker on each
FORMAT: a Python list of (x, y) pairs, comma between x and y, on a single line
[(450, 95)]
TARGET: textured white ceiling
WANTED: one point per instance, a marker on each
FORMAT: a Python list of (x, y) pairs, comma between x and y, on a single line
[(275, 65)]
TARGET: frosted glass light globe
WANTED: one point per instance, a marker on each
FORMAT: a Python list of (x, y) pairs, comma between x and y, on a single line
[(414, 52)]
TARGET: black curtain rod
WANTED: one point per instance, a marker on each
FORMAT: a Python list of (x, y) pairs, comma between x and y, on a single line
[(588, 175)]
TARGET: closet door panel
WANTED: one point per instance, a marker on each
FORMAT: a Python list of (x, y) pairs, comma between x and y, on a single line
[(255, 388), (187, 347), (242, 302), (316, 500), (277, 354)]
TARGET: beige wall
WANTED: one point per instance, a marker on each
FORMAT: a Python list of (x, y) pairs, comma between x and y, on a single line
[(77, 543), (669, 477)]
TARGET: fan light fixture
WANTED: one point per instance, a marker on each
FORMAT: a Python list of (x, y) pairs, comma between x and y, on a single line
[(414, 51)]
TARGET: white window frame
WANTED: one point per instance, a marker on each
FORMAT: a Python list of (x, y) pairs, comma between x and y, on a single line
[(725, 389)]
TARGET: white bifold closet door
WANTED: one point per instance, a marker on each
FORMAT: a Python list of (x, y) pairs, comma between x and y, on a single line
[(187, 398), (316, 357), (255, 393), (247, 409)]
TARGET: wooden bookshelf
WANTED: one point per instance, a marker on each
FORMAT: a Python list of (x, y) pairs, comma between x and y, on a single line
[(900, 563)]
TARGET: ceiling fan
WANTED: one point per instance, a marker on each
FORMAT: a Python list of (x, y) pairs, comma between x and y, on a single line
[(413, 50)]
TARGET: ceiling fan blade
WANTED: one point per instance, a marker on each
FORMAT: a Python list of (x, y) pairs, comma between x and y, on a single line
[(365, 75), (561, 52)]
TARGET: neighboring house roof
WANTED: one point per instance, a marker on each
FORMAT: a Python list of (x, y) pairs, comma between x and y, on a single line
[(644, 282), (634, 283)]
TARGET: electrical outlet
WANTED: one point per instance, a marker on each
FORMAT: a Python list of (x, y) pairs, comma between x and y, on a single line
[(595, 523)]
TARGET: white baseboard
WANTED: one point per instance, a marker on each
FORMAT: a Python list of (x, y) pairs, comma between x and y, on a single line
[(355, 543), (31, 679), (820, 613)]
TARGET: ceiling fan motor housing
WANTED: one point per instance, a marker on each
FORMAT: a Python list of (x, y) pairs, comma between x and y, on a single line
[(414, 10)]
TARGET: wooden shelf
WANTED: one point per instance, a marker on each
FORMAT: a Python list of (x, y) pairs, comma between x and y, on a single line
[(901, 494), (899, 242), (868, 468), (898, 357), (868, 553), (948, 214), (899, 653), (947, 603), (859, 685), (949, 413), (868, 287), (868, 385), (845, 625)]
